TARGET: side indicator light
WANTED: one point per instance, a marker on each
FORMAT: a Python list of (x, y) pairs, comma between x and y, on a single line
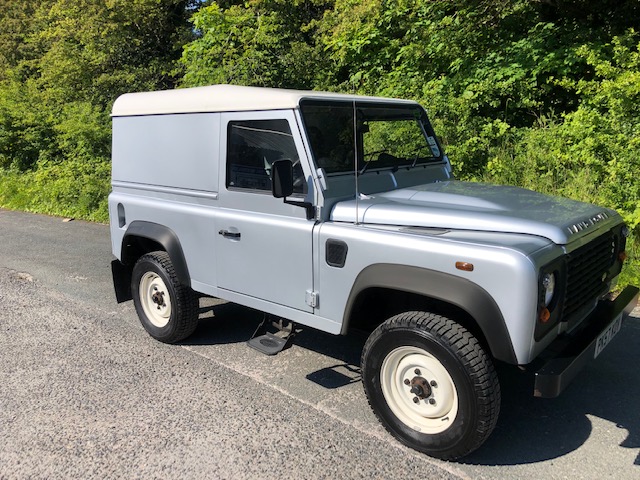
[(545, 315), (622, 256), (466, 266)]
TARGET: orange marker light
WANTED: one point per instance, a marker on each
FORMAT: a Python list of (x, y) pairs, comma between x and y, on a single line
[(466, 266), (545, 315), (622, 256)]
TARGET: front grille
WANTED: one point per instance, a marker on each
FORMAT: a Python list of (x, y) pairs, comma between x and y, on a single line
[(587, 269)]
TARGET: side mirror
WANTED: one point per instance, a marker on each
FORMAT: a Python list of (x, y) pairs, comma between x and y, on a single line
[(282, 178)]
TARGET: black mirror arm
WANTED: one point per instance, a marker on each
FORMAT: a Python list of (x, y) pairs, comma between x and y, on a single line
[(311, 210)]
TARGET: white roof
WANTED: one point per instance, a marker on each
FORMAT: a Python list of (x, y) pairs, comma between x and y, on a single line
[(222, 98)]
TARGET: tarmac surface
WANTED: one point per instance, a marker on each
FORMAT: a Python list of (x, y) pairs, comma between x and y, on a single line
[(86, 393)]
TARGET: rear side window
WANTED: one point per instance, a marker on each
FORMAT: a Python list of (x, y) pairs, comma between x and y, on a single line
[(253, 146)]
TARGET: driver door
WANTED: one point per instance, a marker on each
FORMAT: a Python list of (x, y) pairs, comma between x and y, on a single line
[(263, 246)]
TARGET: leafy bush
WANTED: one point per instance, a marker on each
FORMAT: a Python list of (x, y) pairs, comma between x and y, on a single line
[(69, 189), (62, 64), (258, 42)]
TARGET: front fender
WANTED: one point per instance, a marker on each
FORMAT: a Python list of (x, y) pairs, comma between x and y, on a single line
[(457, 291)]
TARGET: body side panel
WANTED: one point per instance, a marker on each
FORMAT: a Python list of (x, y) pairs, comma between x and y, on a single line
[(507, 275), (179, 151), (192, 219)]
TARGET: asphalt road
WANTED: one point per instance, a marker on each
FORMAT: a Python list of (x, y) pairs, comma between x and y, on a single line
[(85, 392)]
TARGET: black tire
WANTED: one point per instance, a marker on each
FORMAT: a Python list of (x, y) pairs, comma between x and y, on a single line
[(466, 395), (168, 310)]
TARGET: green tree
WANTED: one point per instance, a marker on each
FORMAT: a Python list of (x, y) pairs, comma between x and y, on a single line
[(258, 42), (95, 50), (482, 67), (62, 64), (14, 25)]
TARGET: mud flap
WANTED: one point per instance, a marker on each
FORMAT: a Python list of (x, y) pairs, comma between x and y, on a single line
[(121, 281)]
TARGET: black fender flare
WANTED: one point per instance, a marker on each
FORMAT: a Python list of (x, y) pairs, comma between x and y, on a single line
[(162, 235), (445, 287)]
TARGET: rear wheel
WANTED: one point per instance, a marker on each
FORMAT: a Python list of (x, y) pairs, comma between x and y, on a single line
[(167, 309), (431, 384)]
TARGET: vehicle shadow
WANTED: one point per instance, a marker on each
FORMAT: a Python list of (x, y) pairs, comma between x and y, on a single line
[(225, 323), (531, 429)]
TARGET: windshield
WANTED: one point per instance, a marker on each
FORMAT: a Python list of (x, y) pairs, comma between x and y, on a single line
[(387, 136)]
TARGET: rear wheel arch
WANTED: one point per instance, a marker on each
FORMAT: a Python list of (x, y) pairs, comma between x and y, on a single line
[(144, 237), (419, 288)]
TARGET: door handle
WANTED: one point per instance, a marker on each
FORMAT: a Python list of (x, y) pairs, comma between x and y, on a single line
[(228, 234)]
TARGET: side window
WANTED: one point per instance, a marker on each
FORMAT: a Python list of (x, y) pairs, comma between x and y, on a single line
[(252, 146)]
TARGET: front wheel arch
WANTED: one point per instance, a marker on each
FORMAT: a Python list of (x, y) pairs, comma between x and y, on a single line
[(441, 287)]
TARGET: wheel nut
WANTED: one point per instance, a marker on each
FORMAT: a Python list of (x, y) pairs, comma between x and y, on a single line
[(433, 383), (407, 381), (416, 400), (417, 371), (432, 401)]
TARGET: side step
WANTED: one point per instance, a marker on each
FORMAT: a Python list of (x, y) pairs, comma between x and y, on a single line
[(273, 343)]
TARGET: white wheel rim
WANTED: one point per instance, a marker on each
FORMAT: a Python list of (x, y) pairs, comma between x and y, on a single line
[(155, 299), (432, 413)]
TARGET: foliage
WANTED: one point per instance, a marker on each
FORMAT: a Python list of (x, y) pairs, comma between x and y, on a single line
[(95, 50), (480, 67), (75, 189), (62, 64), (258, 42), (26, 128), (14, 22)]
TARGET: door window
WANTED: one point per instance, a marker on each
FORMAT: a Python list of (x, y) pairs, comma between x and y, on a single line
[(253, 146)]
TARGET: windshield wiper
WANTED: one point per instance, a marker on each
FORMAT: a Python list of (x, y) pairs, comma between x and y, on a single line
[(417, 155)]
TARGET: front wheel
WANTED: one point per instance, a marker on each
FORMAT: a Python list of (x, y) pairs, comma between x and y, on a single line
[(167, 309), (431, 384)]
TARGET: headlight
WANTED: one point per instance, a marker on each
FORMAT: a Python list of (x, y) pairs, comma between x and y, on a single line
[(552, 284), (549, 287), (625, 231)]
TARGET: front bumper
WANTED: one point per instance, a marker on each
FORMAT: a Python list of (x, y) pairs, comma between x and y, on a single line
[(575, 351)]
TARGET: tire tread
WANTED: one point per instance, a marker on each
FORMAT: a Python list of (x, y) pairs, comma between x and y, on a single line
[(474, 359), (186, 302)]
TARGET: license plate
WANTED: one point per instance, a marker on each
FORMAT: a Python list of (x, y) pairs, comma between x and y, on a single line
[(606, 336)]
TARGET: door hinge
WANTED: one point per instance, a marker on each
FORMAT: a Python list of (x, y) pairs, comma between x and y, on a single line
[(312, 298)]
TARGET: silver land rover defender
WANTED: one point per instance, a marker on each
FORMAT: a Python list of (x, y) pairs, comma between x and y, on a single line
[(339, 211)]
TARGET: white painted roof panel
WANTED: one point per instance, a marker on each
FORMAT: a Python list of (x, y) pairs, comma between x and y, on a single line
[(222, 98)]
